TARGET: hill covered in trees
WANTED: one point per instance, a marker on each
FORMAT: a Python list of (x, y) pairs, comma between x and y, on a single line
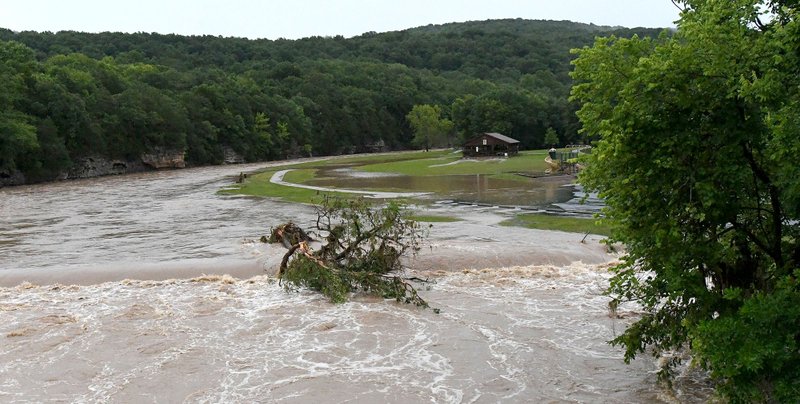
[(69, 96)]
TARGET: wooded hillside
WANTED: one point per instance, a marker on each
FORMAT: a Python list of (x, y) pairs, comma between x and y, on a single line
[(66, 96)]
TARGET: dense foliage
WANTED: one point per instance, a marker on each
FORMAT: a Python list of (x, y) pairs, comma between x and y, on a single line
[(70, 95), (361, 251), (430, 129), (697, 162)]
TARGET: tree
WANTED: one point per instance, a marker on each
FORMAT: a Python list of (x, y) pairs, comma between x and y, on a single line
[(473, 115), (283, 136), (17, 135), (51, 158), (430, 129), (263, 144), (151, 120), (697, 161), (511, 111), (551, 137), (361, 251)]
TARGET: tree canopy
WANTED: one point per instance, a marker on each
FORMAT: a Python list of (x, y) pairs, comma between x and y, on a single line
[(430, 128), (697, 161), (66, 96), (17, 135)]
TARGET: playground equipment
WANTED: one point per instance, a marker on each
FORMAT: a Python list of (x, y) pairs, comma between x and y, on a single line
[(564, 162), (552, 165)]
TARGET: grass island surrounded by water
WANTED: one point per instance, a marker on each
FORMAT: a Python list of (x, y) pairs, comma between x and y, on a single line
[(440, 174)]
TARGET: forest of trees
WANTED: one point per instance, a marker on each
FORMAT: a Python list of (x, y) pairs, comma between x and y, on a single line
[(68, 95)]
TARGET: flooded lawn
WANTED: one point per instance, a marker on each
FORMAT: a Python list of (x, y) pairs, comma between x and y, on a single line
[(478, 188)]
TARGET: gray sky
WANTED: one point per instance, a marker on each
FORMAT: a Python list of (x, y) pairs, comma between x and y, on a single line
[(301, 18)]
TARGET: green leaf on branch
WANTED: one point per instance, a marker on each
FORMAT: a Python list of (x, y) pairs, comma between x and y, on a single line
[(694, 134), (361, 251)]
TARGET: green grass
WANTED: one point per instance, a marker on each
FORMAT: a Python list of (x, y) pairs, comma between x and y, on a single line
[(299, 176), (418, 163), (532, 161), (562, 223), (259, 185), (367, 159), (434, 219)]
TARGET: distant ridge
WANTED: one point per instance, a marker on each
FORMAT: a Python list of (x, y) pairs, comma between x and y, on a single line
[(119, 100)]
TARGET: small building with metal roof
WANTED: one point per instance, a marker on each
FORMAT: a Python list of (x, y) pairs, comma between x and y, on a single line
[(491, 144)]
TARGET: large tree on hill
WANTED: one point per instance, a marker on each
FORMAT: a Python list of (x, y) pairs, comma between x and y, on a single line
[(430, 128), (697, 160)]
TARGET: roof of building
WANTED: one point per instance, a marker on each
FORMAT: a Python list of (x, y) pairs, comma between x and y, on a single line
[(502, 138)]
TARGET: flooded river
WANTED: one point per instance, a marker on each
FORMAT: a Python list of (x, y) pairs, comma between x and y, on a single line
[(129, 220), (103, 299)]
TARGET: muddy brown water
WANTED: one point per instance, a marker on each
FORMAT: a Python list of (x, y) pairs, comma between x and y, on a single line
[(478, 188), (523, 318)]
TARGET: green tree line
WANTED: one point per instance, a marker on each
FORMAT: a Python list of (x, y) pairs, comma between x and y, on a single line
[(698, 163), (69, 95)]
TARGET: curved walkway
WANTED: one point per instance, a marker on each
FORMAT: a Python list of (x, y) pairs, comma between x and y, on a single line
[(277, 178)]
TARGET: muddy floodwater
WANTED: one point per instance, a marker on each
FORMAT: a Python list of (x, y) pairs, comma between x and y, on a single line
[(478, 188), (153, 288)]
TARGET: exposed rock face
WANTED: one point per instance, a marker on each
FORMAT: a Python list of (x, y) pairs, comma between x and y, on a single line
[(88, 167), (376, 147), (8, 177), (159, 159), (231, 157)]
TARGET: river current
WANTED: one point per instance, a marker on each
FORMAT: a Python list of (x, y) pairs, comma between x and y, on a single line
[(104, 298)]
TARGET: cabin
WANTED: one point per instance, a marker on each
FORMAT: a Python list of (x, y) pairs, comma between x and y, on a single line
[(491, 144)]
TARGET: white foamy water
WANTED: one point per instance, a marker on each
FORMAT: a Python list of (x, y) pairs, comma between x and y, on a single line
[(522, 334)]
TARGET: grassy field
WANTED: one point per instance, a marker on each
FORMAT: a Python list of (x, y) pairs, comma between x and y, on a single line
[(359, 160), (258, 184), (453, 164), (417, 163), (434, 163), (561, 223)]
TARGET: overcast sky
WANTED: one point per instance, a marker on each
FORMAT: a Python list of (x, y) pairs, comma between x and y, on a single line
[(301, 18)]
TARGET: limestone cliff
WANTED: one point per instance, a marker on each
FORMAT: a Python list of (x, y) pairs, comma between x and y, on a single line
[(160, 159), (89, 167), (11, 177), (230, 156), (96, 166)]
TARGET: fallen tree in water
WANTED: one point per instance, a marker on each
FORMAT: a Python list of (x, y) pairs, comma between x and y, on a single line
[(360, 251)]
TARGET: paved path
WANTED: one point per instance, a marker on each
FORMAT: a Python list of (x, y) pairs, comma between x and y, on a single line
[(277, 178)]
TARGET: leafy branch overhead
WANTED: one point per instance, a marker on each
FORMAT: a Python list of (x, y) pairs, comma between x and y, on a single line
[(697, 163), (359, 249)]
